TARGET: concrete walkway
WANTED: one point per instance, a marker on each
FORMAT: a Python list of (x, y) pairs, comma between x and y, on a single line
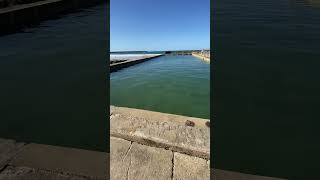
[(162, 130), (21, 161), (131, 160), (148, 145), (144, 145)]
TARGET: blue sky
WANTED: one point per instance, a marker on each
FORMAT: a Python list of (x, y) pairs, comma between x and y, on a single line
[(138, 25)]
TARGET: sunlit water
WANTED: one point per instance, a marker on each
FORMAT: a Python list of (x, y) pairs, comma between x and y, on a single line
[(170, 84), (266, 87)]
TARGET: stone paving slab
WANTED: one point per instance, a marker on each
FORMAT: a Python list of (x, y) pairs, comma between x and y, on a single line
[(139, 162), (149, 163), (161, 130), (119, 164), (61, 159), (8, 149), (190, 168)]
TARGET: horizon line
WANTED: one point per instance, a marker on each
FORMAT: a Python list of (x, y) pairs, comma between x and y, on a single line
[(158, 50)]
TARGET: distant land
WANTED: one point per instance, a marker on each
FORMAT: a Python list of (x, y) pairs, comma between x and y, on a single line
[(129, 52)]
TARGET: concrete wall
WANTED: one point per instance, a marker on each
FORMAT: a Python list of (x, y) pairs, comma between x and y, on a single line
[(117, 66), (203, 56), (17, 15)]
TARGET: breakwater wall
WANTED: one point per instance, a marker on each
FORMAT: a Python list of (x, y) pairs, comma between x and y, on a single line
[(127, 63), (182, 52), (203, 56), (16, 16)]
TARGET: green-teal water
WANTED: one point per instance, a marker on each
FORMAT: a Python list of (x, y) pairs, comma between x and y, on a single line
[(170, 84), (54, 82), (266, 87)]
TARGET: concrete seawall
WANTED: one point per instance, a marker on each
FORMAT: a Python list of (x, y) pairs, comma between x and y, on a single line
[(144, 145), (198, 55), (117, 66), (14, 17), (152, 145)]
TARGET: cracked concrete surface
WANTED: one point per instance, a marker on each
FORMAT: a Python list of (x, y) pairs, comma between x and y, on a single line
[(161, 130), (149, 145), (119, 149), (8, 149), (189, 167), (149, 162), (136, 153), (22, 161), (130, 160), (137, 161)]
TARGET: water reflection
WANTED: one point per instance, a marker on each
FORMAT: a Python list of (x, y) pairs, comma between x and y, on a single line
[(52, 80), (305, 3), (266, 87)]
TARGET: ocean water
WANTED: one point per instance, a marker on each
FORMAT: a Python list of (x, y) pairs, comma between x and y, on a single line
[(170, 84), (266, 87)]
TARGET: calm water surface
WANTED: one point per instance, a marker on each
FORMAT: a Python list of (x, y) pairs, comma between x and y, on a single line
[(266, 87), (54, 82), (170, 84)]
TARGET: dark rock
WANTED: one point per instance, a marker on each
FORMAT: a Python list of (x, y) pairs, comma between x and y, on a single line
[(208, 124), (189, 123)]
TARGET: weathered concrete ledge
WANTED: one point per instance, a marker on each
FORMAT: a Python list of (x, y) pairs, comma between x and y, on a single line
[(17, 16), (161, 130), (128, 160), (117, 66), (151, 145), (38, 161), (131, 160), (199, 55)]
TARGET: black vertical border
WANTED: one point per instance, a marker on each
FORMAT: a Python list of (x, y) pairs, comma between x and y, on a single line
[(107, 69), (107, 76), (212, 77)]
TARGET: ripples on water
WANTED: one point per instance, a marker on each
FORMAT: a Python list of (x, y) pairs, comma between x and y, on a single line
[(171, 84), (266, 87)]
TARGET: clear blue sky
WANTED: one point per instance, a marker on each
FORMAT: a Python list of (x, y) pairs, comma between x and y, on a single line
[(138, 25)]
